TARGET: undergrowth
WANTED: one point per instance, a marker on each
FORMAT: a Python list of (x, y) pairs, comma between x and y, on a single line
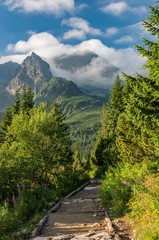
[(18, 219), (134, 190)]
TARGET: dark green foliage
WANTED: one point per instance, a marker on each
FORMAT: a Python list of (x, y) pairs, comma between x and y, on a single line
[(5, 123), (138, 125), (105, 152), (23, 103), (16, 104), (27, 99), (116, 98), (37, 151), (132, 186)]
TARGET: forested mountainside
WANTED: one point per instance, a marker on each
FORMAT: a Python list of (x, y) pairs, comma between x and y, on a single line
[(38, 164)]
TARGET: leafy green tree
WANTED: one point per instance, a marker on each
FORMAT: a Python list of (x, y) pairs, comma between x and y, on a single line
[(23, 103), (37, 151), (138, 128)]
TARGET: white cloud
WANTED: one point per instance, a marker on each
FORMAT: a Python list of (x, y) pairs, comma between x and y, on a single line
[(138, 10), (111, 31), (55, 7), (48, 47), (74, 33), (118, 8), (31, 32), (82, 6), (36, 41), (125, 39), (115, 8), (138, 30), (80, 26)]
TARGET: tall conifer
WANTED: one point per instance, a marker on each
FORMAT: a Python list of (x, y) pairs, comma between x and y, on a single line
[(138, 126), (105, 152)]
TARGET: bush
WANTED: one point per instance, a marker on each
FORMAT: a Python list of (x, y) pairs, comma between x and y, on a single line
[(26, 207), (144, 206), (121, 182), (114, 193)]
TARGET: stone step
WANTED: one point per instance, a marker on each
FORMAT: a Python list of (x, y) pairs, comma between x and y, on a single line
[(87, 236)]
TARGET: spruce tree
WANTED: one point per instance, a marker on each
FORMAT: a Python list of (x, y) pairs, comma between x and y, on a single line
[(5, 123), (138, 136), (27, 99), (105, 151), (16, 104)]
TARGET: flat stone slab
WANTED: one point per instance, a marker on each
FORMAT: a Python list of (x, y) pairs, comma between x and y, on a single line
[(87, 236)]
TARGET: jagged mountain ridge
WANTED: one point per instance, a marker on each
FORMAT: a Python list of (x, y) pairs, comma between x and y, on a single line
[(73, 62), (34, 72), (82, 110)]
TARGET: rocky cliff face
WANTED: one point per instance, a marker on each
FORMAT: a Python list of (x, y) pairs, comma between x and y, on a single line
[(7, 72), (34, 72)]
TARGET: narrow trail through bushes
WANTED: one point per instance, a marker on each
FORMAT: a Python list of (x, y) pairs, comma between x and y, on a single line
[(79, 216)]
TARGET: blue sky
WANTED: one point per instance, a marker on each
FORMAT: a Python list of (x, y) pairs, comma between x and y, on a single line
[(111, 28)]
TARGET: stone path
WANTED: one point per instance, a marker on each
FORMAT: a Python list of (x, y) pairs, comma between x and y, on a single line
[(79, 217)]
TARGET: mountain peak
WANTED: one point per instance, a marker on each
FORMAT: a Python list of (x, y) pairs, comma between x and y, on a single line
[(34, 72), (76, 60), (36, 57)]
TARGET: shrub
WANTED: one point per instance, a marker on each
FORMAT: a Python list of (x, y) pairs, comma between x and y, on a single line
[(121, 182), (144, 206)]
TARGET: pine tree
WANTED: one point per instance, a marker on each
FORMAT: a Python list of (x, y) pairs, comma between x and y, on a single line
[(105, 151), (16, 104), (27, 99), (138, 126), (24, 103), (116, 98), (5, 123)]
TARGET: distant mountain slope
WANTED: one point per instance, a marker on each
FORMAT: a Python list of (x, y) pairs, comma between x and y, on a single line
[(7, 71), (57, 88), (82, 111)]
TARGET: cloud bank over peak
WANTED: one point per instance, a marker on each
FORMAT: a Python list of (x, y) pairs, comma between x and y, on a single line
[(48, 47)]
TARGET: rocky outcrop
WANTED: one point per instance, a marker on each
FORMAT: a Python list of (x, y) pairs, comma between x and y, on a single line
[(34, 72)]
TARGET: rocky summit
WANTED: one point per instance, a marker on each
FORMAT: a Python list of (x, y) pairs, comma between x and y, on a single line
[(34, 72)]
